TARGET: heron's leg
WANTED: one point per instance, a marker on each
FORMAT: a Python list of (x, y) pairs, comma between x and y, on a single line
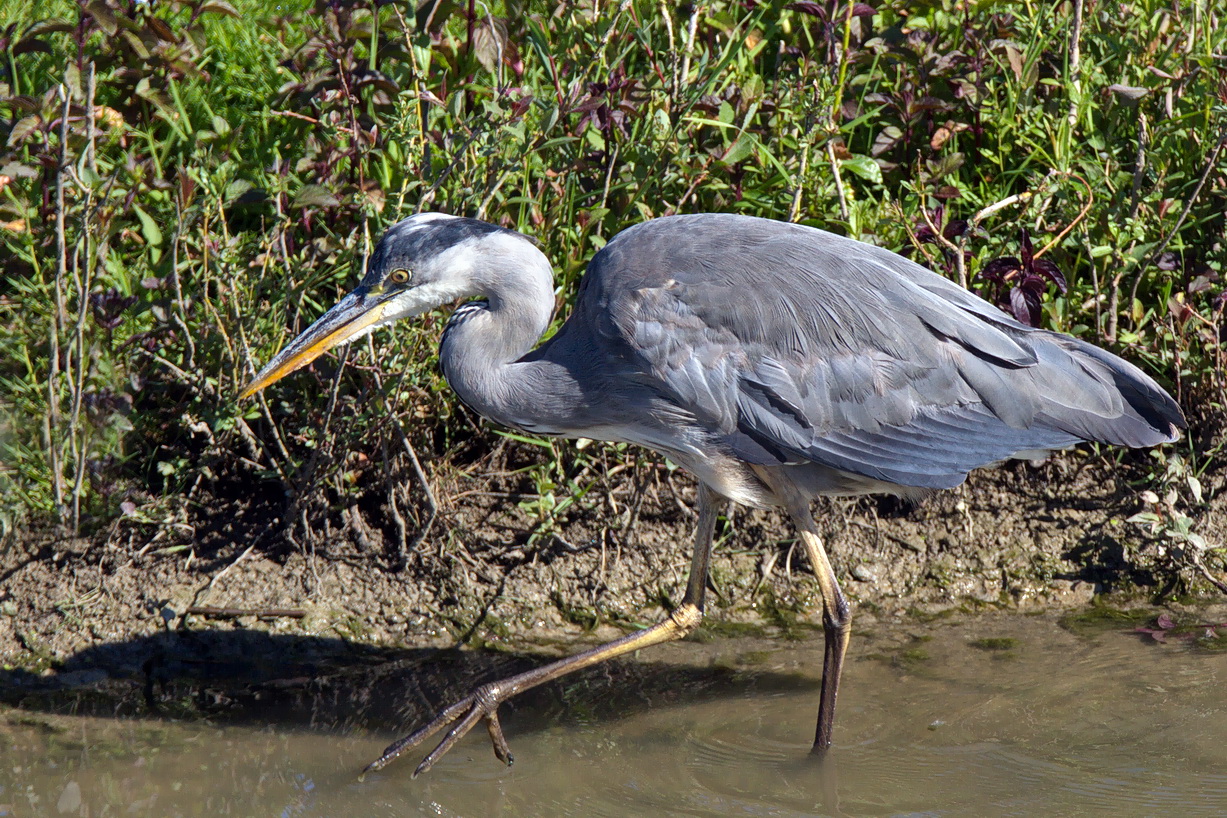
[(483, 702), (836, 621)]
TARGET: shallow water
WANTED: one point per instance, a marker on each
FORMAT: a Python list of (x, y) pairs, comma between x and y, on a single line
[(934, 721)]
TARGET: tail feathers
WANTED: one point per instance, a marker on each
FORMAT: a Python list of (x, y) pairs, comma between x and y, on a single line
[(1144, 416)]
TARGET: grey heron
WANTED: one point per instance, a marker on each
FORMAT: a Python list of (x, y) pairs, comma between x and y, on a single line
[(775, 362)]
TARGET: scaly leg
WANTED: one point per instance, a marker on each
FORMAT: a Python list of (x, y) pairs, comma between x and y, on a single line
[(483, 702), (836, 622), (836, 617)]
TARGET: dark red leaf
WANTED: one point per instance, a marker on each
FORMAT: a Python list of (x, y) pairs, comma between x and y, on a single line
[(807, 7), (30, 45), (929, 103), (999, 268), (109, 306), (1180, 310), (1044, 267), (1033, 284), (1026, 306), (161, 30), (521, 105), (1026, 250)]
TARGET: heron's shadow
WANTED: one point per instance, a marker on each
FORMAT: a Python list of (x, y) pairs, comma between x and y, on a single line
[(327, 684)]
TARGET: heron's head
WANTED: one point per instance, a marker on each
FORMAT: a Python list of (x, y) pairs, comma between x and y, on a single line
[(422, 262)]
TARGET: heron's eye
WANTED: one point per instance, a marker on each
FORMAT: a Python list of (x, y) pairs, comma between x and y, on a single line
[(400, 276)]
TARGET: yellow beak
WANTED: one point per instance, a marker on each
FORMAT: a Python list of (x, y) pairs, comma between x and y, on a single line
[(354, 314)]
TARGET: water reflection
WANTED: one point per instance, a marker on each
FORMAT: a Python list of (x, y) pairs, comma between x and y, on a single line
[(1000, 716)]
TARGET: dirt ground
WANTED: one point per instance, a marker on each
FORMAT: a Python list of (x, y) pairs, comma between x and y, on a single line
[(124, 618)]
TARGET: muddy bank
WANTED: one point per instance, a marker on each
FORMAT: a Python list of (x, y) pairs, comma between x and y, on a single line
[(134, 612)]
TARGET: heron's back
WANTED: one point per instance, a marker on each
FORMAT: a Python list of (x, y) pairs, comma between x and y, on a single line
[(784, 344)]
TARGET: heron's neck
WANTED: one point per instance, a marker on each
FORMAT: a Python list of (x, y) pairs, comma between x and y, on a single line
[(484, 340)]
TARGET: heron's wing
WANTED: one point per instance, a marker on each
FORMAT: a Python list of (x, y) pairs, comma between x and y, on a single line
[(790, 345)]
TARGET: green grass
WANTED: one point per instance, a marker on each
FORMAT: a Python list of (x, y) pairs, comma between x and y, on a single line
[(995, 643), (228, 201)]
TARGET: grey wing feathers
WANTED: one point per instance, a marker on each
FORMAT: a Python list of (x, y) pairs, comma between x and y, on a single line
[(789, 345)]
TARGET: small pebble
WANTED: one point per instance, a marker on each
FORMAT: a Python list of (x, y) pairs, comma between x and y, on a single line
[(70, 798), (863, 574)]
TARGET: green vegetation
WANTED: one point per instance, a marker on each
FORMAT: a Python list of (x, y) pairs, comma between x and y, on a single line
[(1102, 617), (910, 658), (185, 184)]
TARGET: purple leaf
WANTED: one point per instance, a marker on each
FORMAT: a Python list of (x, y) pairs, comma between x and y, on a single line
[(109, 307), (1019, 306), (1165, 622), (997, 269), (1033, 284), (930, 103), (807, 7), (1168, 261), (1044, 267), (1026, 250)]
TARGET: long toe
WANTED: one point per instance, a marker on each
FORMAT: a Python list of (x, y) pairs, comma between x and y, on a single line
[(463, 716), (462, 708), (449, 741)]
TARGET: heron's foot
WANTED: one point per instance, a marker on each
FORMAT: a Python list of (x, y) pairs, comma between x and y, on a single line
[(481, 704)]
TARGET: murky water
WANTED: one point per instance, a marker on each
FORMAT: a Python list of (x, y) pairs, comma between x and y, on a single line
[(1000, 716)]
